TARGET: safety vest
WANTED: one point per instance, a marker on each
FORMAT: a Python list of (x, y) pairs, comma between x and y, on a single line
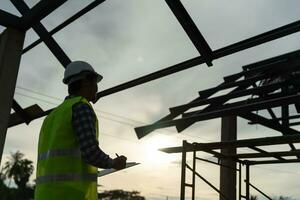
[(62, 174)]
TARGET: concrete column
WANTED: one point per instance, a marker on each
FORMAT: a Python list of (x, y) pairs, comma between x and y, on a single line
[(11, 45), (228, 174)]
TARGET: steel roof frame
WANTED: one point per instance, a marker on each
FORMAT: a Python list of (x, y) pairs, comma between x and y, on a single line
[(31, 19), (248, 143)]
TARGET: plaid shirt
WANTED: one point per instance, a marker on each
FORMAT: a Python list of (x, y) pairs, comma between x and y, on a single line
[(84, 126)]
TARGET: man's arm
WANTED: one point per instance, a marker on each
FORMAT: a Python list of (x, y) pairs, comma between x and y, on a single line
[(83, 122)]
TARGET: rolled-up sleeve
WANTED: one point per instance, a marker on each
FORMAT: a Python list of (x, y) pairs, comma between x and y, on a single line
[(84, 125)]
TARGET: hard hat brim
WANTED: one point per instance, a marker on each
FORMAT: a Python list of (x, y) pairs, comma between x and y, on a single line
[(80, 76), (99, 77)]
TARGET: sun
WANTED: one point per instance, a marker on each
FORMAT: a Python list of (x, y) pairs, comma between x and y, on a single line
[(151, 146)]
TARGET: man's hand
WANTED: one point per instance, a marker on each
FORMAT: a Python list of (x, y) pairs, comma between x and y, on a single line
[(119, 162)]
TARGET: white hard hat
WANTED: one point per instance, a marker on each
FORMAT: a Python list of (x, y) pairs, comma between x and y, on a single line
[(77, 70)]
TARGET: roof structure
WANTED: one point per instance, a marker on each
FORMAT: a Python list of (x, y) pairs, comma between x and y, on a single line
[(31, 19), (262, 85), (247, 158)]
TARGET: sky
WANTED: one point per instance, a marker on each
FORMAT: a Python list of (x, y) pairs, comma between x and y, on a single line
[(124, 40)]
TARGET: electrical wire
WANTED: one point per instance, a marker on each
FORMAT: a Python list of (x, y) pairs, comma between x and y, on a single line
[(60, 99), (118, 121), (135, 124)]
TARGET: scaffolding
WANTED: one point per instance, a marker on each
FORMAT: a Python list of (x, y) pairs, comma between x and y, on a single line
[(280, 157)]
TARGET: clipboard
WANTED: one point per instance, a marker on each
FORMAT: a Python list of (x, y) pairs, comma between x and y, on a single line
[(109, 171)]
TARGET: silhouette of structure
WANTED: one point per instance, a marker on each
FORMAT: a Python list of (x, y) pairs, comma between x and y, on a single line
[(11, 49), (262, 85)]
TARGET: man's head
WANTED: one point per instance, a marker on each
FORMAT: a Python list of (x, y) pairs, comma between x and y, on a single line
[(82, 80)]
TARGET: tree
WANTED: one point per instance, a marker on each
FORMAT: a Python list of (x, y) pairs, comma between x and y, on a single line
[(6, 193), (20, 170), (120, 195)]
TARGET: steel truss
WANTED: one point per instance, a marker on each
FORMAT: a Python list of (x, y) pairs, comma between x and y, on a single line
[(31, 19), (241, 158), (263, 85)]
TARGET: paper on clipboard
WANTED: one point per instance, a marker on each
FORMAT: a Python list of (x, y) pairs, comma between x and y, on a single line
[(109, 171)]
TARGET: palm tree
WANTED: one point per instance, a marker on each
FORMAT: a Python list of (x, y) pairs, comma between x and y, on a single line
[(18, 169)]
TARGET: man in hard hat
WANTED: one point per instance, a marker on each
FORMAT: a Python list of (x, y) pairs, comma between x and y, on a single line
[(68, 149)]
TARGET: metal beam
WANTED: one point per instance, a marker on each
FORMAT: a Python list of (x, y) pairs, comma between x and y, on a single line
[(265, 65), (255, 104), (44, 35), (191, 29), (10, 20), (247, 182), (270, 124), (143, 131), (241, 86), (259, 39), (82, 12), (228, 50), (253, 91), (267, 154), (227, 85), (247, 73), (228, 175), (21, 112), (183, 171), (215, 163), (39, 11), (294, 123), (279, 118), (33, 112), (265, 162), (261, 192), (224, 110), (208, 183), (183, 125), (11, 44), (238, 143), (194, 175)]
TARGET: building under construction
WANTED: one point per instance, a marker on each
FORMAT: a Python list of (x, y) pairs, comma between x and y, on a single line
[(260, 86)]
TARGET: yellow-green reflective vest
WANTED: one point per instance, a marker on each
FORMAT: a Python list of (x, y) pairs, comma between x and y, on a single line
[(61, 172)]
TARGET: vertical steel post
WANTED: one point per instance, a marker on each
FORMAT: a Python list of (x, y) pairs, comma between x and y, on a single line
[(194, 175), (247, 181), (228, 174), (11, 45), (285, 111), (183, 168), (240, 181)]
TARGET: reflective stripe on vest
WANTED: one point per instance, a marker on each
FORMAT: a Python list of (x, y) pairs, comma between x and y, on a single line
[(66, 177), (59, 152)]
